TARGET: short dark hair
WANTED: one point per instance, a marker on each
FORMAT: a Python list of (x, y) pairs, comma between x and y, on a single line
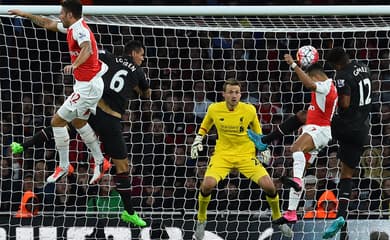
[(73, 6), (337, 56), (233, 82), (315, 68), (133, 45)]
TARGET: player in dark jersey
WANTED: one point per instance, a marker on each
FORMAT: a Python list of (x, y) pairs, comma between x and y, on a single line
[(124, 80), (350, 125)]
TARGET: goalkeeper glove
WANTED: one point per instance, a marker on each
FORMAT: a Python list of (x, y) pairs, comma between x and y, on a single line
[(256, 139), (265, 157), (196, 147)]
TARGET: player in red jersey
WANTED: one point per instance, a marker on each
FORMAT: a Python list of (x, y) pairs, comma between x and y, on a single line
[(88, 89), (316, 133)]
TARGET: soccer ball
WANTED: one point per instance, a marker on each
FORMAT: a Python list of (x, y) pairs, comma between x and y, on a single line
[(307, 55)]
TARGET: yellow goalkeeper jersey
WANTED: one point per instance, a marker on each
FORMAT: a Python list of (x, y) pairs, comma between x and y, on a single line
[(232, 127)]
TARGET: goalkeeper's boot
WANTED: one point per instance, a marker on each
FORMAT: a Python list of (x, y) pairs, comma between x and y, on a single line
[(257, 140), (199, 231), (59, 173), (100, 170), (16, 148), (134, 219), (290, 182), (334, 228), (289, 216)]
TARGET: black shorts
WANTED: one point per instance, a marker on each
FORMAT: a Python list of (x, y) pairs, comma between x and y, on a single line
[(109, 129), (351, 143)]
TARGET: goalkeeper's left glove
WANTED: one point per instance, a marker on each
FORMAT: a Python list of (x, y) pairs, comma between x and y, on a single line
[(256, 139), (196, 146)]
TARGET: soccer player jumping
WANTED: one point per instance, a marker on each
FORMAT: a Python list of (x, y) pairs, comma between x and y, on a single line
[(233, 150), (88, 89), (316, 132), (124, 80)]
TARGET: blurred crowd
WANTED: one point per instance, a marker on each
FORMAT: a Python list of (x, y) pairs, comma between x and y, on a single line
[(186, 69)]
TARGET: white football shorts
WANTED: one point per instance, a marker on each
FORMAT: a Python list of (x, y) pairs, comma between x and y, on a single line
[(321, 135), (84, 99)]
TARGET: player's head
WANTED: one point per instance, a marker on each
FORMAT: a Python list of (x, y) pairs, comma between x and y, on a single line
[(232, 92), (338, 58), (135, 49), (316, 72), (71, 11)]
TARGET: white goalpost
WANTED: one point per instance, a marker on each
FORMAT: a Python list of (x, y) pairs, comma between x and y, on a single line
[(189, 52)]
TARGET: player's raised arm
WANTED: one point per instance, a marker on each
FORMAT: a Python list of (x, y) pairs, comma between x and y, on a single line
[(305, 79), (39, 20)]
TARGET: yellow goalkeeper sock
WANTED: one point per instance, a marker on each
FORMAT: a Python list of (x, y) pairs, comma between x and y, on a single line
[(274, 204), (203, 204)]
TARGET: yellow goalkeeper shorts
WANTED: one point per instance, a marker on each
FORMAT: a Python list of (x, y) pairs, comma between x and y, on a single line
[(220, 166)]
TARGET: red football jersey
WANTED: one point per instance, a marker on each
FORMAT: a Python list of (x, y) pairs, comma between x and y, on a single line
[(323, 104), (78, 33)]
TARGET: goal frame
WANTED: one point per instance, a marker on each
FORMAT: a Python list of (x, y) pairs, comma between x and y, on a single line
[(340, 10), (282, 10)]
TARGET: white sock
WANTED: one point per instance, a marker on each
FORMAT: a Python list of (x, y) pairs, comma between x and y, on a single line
[(298, 169), (61, 138), (90, 139), (299, 164), (294, 198)]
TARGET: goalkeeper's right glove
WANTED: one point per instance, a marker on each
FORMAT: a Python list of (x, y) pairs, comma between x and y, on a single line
[(265, 157), (196, 147), (256, 139)]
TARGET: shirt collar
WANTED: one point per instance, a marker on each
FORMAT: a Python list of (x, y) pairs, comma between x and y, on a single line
[(75, 23)]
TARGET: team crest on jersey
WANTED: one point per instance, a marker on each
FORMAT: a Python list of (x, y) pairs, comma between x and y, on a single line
[(340, 83)]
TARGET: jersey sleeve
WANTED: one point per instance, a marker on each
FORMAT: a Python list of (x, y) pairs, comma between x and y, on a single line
[(255, 123), (61, 28), (106, 57), (323, 87), (80, 35), (207, 122), (143, 83), (342, 86)]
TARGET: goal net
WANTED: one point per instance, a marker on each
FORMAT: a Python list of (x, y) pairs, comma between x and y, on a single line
[(187, 59)]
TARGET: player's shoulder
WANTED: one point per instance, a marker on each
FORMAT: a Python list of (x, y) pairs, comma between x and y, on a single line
[(247, 106), (217, 105), (107, 57)]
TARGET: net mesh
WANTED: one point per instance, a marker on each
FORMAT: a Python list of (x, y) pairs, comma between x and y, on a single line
[(187, 61)]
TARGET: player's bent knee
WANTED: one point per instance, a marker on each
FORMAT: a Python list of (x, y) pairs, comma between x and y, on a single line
[(208, 185), (57, 121), (267, 185), (79, 123)]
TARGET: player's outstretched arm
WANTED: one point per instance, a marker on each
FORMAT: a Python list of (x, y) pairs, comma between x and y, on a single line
[(305, 79), (40, 21), (257, 140)]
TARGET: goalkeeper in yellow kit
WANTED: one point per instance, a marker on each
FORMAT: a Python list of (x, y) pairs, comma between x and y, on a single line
[(233, 150)]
